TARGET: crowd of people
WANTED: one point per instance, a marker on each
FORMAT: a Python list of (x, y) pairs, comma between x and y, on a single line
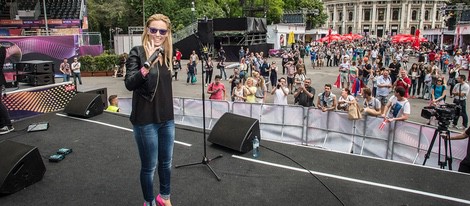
[(378, 75)]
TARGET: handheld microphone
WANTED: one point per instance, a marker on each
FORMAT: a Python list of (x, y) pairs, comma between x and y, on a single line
[(153, 57)]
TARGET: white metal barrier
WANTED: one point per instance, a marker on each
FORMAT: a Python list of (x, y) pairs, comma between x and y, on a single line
[(399, 141)]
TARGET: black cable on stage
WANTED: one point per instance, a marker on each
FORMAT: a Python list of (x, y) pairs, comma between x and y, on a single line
[(300, 165)]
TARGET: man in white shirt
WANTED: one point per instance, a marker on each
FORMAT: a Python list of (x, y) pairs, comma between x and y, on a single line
[(280, 92), (398, 107), (344, 73), (384, 85), (460, 93)]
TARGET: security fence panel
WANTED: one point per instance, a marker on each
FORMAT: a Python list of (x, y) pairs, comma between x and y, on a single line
[(256, 111), (241, 108), (272, 114), (292, 134), (406, 141), (193, 112), (219, 108), (374, 148), (272, 122), (178, 106), (375, 142), (339, 136), (293, 124), (316, 127), (271, 132)]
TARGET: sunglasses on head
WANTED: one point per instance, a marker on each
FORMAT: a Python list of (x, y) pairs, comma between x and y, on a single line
[(154, 31)]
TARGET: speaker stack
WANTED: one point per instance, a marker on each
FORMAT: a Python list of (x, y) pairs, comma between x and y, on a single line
[(36, 72)]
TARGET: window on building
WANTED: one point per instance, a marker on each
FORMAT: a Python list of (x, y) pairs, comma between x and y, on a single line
[(332, 15), (381, 15), (437, 15), (340, 17), (426, 15), (366, 14), (414, 15), (351, 16), (395, 14)]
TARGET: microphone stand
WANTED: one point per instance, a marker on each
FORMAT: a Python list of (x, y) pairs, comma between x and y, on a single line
[(205, 159)]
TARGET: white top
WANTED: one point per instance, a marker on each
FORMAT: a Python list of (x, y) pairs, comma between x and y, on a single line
[(398, 108), (280, 97), (383, 91), (76, 67), (464, 89)]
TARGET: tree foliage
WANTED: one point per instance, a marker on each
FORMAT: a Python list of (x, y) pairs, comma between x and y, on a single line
[(106, 14)]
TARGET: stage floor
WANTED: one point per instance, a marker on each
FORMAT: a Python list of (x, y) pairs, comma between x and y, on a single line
[(104, 170)]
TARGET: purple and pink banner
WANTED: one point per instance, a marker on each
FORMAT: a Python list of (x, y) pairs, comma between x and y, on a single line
[(46, 48), (40, 23)]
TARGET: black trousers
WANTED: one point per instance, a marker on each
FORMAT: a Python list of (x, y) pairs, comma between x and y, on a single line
[(4, 115)]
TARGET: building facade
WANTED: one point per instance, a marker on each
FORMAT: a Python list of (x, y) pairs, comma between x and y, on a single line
[(383, 17)]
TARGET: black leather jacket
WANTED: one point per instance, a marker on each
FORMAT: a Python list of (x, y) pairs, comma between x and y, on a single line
[(134, 81)]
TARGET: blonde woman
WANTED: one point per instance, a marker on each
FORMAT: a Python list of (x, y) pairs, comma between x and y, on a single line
[(261, 90), (152, 107), (250, 90)]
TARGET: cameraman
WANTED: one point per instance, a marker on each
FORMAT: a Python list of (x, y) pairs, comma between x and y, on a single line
[(465, 164), (460, 93)]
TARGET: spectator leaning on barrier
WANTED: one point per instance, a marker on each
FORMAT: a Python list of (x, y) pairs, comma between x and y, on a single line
[(345, 99), (398, 107), (371, 105), (465, 164), (326, 101), (305, 94)]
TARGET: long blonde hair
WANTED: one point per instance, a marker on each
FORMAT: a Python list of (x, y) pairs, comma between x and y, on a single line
[(167, 45)]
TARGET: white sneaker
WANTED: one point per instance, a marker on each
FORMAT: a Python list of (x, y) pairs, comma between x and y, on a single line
[(459, 127), (5, 130)]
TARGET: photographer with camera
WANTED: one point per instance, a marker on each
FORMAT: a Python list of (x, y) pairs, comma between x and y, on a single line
[(465, 164), (403, 81), (281, 92), (460, 93)]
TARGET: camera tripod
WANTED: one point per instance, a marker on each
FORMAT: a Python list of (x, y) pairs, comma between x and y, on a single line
[(444, 135)]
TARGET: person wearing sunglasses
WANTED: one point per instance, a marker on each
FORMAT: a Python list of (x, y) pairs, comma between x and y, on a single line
[(152, 107)]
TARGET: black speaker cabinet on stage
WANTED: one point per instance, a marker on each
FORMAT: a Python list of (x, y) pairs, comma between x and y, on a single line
[(40, 79), (205, 31), (20, 166), (85, 105), (235, 132), (36, 66)]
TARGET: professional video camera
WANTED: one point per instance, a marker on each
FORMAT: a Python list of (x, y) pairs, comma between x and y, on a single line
[(444, 113)]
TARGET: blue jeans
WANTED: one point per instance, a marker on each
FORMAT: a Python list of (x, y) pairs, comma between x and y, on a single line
[(77, 75), (155, 142), (66, 77)]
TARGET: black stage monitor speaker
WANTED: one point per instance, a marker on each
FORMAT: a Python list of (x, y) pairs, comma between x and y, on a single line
[(85, 105), (40, 79), (235, 132), (21, 166)]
